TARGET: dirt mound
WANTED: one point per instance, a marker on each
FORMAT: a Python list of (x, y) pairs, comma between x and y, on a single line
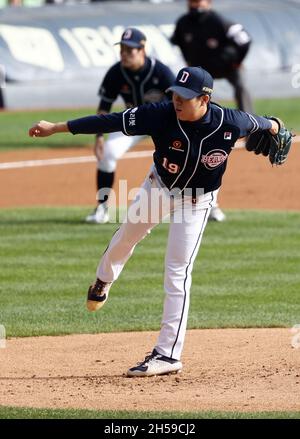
[(224, 369)]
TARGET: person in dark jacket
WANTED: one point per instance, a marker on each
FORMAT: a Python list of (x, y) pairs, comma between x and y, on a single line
[(209, 40)]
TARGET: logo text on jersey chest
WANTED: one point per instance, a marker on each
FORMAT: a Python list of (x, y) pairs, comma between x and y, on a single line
[(214, 158), (153, 95)]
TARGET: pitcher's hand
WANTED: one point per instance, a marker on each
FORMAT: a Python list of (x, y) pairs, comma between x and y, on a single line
[(45, 128)]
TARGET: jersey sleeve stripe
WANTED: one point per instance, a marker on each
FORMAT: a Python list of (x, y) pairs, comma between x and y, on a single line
[(255, 123), (124, 122)]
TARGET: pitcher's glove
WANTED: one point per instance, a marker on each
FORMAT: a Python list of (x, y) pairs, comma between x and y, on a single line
[(275, 146)]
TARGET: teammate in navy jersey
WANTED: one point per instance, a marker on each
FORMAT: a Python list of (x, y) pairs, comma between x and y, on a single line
[(138, 79), (193, 138)]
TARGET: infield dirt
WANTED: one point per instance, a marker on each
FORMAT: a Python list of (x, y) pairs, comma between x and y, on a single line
[(250, 181), (224, 369)]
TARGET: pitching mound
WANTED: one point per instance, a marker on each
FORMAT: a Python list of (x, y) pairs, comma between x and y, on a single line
[(229, 369)]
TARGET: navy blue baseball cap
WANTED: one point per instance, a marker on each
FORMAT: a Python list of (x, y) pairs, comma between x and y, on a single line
[(133, 37), (192, 82)]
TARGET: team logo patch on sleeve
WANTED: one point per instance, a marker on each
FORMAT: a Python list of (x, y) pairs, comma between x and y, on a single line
[(214, 158)]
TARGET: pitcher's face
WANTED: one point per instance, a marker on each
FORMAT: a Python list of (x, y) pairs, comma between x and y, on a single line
[(190, 110)]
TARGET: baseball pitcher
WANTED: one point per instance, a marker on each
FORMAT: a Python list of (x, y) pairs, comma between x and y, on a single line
[(193, 139)]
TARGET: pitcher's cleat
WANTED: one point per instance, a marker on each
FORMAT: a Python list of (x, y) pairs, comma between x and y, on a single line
[(155, 364), (97, 295)]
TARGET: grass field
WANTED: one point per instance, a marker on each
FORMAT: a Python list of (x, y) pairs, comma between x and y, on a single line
[(14, 135), (246, 274), (25, 413)]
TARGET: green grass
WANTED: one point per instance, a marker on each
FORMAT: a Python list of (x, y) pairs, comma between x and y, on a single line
[(246, 274), (285, 109), (29, 413), (15, 125)]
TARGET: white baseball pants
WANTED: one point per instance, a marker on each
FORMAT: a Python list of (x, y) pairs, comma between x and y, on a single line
[(114, 148), (188, 218)]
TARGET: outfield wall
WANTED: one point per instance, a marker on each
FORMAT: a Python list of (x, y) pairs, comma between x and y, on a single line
[(56, 56)]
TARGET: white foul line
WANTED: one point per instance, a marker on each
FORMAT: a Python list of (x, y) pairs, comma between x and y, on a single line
[(68, 160), (87, 159)]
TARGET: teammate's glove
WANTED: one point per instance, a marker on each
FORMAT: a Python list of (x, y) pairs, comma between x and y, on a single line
[(275, 146)]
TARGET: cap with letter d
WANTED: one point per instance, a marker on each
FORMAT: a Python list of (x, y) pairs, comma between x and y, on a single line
[(192, 82), (133, 37)]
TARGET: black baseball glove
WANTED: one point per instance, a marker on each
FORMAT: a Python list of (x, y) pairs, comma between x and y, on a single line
[(275, 146)]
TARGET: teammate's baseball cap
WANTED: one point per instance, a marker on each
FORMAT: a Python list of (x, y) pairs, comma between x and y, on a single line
[(133, 37), (192, 82)]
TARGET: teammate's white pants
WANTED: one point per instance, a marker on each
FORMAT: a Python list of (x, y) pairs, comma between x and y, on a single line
[(114, 148), (187, 223)]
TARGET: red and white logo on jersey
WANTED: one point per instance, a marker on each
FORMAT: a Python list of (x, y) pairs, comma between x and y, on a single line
[(177, 144), (184, 77), (214, 158), (227, 135)]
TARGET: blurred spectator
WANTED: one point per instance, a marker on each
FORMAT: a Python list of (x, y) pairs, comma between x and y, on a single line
[(54, 2), (15, 2), (209, 40)]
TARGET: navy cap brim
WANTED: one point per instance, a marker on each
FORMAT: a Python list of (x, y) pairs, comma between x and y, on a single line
[(184, 92), (130, 44)]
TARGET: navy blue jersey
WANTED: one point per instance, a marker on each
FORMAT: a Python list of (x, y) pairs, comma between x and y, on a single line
[(145, 85), (187, 154)]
